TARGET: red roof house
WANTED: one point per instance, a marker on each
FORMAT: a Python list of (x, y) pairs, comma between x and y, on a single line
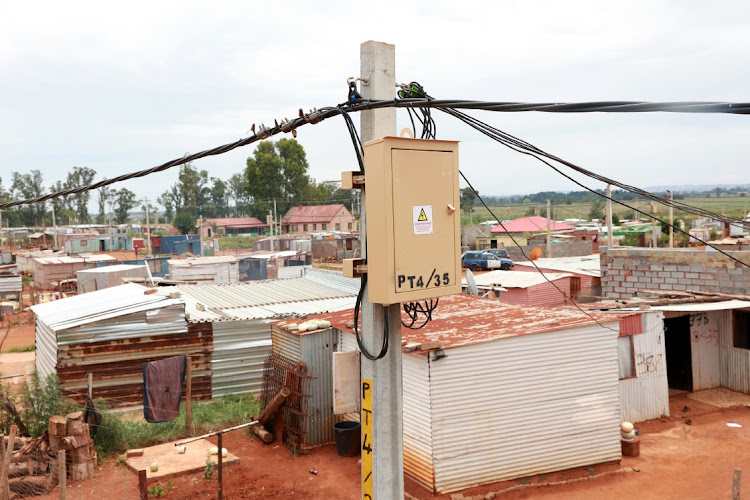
[(301, 219)]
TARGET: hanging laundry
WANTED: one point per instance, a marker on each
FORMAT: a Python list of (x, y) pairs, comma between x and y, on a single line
[(162, 388)]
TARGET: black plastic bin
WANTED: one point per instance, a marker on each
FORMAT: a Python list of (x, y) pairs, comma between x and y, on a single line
[(347, 438)]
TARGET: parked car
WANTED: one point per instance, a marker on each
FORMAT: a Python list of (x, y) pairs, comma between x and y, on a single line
[(481, 261), (499, 252)]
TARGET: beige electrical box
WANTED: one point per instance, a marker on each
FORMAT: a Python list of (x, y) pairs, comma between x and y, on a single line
[(413, 219)]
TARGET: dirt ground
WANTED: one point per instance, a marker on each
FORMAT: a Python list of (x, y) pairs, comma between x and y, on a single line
[(677, 461)]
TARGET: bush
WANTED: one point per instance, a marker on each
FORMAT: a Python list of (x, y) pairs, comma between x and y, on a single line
[(38, 400)]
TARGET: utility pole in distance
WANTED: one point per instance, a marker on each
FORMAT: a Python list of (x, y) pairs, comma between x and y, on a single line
[(382, 451)]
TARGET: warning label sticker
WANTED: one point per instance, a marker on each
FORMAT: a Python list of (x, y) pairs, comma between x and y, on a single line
[(422, 218)]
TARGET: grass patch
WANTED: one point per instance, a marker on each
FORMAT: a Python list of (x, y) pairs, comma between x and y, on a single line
[(22, 348), (118, 434), (236, 242)]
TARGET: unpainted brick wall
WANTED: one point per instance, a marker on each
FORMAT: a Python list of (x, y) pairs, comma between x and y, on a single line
[(567, 249), (627, 270)]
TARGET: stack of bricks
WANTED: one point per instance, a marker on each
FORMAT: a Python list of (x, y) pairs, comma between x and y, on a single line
[(627, 270), (71, 434)]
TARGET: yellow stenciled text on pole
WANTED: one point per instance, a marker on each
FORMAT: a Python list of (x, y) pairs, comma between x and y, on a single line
[(367, 444)]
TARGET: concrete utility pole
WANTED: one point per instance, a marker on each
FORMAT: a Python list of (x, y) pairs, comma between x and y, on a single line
[(610, 234), (671, 220), (54, 224), (385, 481), (654, 240), (200, 234), (148, 229), (549, 224)]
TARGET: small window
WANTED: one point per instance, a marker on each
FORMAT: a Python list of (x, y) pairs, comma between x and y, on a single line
[(349, 225), (324, 226), (304, 227), (626, 357), (741, 329), (338, 227), (295, 228), (315, 227), (84, 243)]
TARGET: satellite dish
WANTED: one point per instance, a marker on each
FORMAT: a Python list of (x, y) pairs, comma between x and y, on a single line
[(471, 284), (535, 254)]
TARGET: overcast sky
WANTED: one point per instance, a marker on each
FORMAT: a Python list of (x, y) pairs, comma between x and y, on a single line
[(126, 86)]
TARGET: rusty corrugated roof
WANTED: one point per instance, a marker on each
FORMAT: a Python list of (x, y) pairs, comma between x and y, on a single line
[(305, 215), (466, 319)]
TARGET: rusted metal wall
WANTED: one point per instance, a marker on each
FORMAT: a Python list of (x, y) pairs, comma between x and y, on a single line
[(646, 395), (417, 411), (114, 350), (525, 405), (546, 294), (317, 352)]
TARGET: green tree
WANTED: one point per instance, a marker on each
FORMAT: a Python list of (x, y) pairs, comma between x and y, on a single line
[(103, 196), (79, 177), (168, 202), (191, 192), (184, 222), (28, 186), (597, 209), (218, 202), (276, 171), (615, 218), (467, 199), (236, 191), (125, 200)]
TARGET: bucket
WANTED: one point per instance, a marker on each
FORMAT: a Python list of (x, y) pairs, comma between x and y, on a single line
[(347, 438)]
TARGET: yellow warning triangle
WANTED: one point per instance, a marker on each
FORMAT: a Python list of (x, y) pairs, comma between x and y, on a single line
[(422, 215)]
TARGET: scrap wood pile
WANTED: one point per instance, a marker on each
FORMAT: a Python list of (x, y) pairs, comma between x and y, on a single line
[(652, 298), (32, 466)]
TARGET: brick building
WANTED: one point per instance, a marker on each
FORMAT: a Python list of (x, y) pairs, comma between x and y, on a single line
[(301, 219), (626, 270)]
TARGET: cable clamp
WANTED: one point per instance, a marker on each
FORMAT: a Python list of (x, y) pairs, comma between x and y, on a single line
[(314, 116), (354, 268), (352, 180)]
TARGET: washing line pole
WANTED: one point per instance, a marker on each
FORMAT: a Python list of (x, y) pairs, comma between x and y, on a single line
[(382, 425)]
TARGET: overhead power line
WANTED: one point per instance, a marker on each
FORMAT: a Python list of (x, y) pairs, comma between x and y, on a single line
[(316, 116)]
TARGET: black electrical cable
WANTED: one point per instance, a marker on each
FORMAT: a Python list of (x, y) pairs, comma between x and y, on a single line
[(386, 332), (317, 116), (488, 131)]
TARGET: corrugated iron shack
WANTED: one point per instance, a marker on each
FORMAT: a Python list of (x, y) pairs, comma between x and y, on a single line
[(586, 273), (111, 333), (99, 278), (205, 269), (510, 392), (49, 269), (238, 318), (522, 288)]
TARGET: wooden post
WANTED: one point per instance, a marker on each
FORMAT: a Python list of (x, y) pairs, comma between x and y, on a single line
[(91, 386), (221, 477), (736, 480), (143, 484), (188, 392), (4, 491), (62, 474), (13, 412)]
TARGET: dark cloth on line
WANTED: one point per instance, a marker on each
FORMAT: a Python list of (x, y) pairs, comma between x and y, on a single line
[(162, 388), (91, 415)]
